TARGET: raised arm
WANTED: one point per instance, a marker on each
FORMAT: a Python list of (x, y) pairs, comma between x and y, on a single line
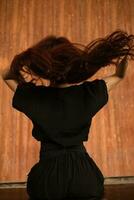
[(12, 84), (113, 80)]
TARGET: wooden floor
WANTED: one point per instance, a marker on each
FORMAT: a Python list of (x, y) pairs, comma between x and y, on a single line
[(112, 192), (119, 192)]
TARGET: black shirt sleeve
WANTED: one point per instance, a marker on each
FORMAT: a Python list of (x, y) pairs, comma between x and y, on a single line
[(24, 98), (99, 93)]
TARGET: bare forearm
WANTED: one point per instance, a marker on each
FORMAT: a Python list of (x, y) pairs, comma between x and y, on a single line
[(121, 68), (5, 74)]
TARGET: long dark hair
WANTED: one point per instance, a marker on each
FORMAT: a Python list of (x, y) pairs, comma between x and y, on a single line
[(61, 61)]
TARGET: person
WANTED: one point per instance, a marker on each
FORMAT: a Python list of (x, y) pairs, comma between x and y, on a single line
[(52, 87)]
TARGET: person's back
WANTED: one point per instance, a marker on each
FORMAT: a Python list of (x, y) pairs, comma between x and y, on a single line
[(61, 115), (61, 121)]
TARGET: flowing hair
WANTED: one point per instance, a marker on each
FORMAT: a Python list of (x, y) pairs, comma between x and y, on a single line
[(61, 61)]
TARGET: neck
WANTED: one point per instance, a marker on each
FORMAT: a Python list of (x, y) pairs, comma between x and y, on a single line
[(67, 84)]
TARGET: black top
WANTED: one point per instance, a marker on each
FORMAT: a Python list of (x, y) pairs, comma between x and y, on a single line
[(61, 115)]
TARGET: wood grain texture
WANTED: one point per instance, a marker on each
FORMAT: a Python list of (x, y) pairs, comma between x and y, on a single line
[(111, 136)]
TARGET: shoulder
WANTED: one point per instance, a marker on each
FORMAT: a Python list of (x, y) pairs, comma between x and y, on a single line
[(97, 84), (98, 89), (108, 82)]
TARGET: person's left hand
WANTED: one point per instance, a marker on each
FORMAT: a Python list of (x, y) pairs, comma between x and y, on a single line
[(29, 76)]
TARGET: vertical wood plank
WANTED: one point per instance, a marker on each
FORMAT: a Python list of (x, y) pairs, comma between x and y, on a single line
[(111, 135)]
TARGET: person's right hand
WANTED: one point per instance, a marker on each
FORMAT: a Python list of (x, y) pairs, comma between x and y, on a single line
[(121, 67), (123, 62)]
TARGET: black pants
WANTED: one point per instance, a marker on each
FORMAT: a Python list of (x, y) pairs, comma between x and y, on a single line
[(65, 174)]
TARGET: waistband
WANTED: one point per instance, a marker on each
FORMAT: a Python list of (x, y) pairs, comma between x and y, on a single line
[(49, 149)]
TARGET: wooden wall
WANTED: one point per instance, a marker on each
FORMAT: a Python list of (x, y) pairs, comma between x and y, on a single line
[(24, 22)]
